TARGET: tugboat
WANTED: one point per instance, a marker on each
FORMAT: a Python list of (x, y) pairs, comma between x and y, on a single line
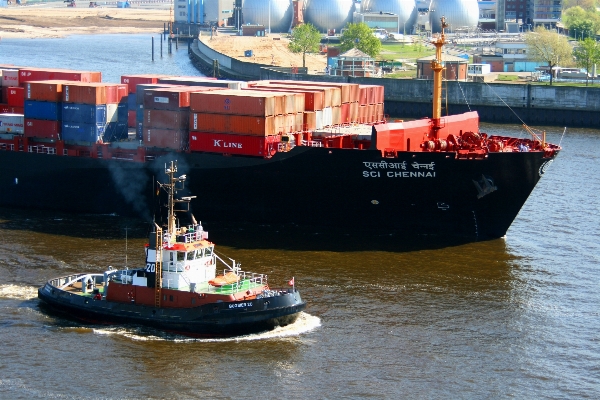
[(181, 289)]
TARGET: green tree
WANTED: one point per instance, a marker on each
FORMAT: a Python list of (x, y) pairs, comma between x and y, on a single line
[(589, 5), (581, 22), (586, 54), (549, 47), (305, 39), (360, 36)]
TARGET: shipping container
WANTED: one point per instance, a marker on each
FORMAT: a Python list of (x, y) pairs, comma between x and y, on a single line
[(43, 110), (84, 94), (82, 133), (319, 119), (15, 96), (12, 123), (261, 146), (131, 101), (314, 98), (354, 111), (327, 116), (174, 98), (42, 128), (237, 124), (84, 113), (111, 113), (131, 119), (176, 139), (139, 130), (115, 131), (141, 88), (122, 113), (294, 101), (349, 92), (310, 120), (132, 81), (166, 119), (6, 109), (10, 77), (332, 93), (345, 113), (238, 102), (45, 74), (44, 90)]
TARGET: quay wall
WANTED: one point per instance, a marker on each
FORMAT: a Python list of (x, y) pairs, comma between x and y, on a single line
[(411, 98)]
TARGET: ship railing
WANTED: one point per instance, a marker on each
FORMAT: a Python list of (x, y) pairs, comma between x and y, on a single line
[(246, 280), (41, 149), (87, 281), (312, 143), (10, 146)]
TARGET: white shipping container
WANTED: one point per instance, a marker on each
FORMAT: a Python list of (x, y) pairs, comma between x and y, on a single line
[(319, 119), (12, 123), (10, 77), (327, 116), (111, 112)]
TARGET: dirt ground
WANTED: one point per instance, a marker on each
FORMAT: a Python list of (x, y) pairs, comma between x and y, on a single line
[(266, 50), (57, 20)]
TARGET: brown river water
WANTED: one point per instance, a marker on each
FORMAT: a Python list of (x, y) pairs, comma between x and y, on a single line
[(516, 317)]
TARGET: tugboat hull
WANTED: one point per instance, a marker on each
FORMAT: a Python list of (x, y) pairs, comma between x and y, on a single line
[(215, 319)]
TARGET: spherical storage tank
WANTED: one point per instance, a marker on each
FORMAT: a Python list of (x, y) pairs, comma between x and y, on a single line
[(257, 12), (405, 9), (458, 13), (329, 14)]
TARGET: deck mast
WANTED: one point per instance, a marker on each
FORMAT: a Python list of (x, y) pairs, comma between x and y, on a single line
[(437, 67)]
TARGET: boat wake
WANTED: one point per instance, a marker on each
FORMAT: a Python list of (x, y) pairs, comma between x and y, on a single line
[(304, 323), (17, 292)]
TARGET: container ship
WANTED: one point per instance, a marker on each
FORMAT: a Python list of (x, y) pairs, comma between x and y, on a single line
[(306, 153)]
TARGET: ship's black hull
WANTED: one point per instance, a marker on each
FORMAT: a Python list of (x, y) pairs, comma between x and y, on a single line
[(417, 193), (215, 319)]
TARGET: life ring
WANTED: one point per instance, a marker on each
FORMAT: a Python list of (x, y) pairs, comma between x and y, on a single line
[(187, 267)]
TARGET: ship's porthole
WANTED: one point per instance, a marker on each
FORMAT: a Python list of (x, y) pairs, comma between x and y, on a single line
[(375, 202)]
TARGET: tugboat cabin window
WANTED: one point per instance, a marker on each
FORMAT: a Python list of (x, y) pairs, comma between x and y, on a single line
[(191, 255), (199, 254), (208, 251), (181, 256)]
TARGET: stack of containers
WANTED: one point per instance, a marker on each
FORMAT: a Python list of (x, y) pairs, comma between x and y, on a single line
[(84, 115), (203, 81), (12, 95), (43, 109), (166, 116), (139, 105), (132, 81), (44, 74), (240, 122), (371, 103)]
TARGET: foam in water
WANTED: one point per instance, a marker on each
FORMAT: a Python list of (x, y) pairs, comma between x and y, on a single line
[(18, 292), (304, 323)]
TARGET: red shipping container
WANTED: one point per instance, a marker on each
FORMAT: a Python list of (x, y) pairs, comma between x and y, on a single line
[(166, 119), (6, 109), (84, 93), (122, 93), (133, 80), (238, 102), (15, 97), (44, 74), (354, 112), (345, 113), (237, 124), (44, 90), (294, 101), (41, 128), (176, 139), (131, 119), (314, 98), (379, 111), (262, 146)]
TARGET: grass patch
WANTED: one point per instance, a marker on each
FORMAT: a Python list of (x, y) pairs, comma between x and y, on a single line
[(507, 78), (402, 74)]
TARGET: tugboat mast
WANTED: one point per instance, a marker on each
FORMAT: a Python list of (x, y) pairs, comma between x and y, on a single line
[(437, 67)]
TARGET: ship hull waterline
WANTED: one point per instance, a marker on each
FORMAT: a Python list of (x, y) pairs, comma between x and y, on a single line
[(415, 193)]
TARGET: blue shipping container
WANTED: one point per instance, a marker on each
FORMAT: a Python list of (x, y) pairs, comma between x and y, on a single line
[(42, 110), (122, 113), (84, 113), (131, 101), (115, 131), (79, 132), (139, 115), (139, 130)]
